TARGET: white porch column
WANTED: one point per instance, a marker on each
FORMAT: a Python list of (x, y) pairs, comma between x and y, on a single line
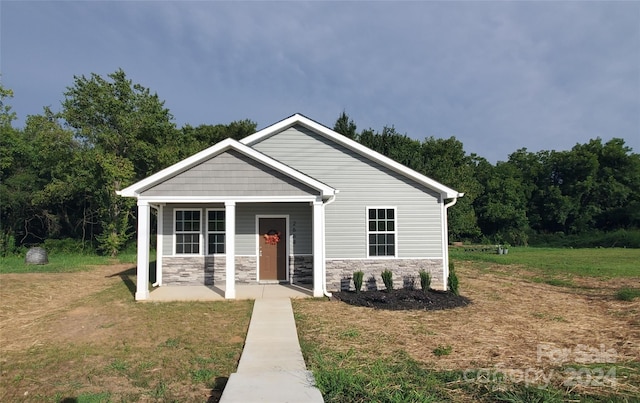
[(142, 287), (230, 249), (318, 248), (159, 245)]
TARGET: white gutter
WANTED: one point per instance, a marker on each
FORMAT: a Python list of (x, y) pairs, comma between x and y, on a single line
[(324, 248), (446, 237)]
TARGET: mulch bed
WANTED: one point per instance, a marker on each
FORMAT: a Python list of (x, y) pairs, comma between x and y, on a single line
[(403, 299)]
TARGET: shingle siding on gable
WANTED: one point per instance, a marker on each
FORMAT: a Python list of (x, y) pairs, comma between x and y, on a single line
[(361, 183), (230, 174)]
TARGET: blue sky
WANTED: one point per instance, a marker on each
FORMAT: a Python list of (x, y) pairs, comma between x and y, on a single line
[(498, 76)]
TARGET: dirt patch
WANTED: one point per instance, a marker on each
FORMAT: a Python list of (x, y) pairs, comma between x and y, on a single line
[(404, 299)]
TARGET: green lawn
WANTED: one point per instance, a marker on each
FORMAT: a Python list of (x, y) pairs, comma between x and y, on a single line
[(597, 262), (61, 263)]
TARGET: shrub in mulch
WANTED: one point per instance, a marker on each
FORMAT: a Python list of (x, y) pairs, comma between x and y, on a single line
[(404, 299)]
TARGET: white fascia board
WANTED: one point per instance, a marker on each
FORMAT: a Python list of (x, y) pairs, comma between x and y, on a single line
[(223, 199), (227, 144), (445, 191)]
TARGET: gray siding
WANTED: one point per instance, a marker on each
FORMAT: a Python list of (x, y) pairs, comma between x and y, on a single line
[(361, 183), (300, 225), (230, 174)]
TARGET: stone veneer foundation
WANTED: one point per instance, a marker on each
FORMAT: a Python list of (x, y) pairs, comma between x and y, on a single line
[(405, 273), (210, 270)]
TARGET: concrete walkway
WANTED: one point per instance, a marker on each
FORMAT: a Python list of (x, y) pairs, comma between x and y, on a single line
[(271, 367)]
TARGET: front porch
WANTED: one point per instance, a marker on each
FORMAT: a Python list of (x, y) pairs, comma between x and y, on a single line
[(217, 293)]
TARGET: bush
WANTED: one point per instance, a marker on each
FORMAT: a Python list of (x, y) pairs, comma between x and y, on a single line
[(387, 278), (68, 246), (8, 245), (453, 279), (425, 280), (357, 280), (613, 239)]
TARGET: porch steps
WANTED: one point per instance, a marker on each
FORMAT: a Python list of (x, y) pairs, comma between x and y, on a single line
[(271, 367)]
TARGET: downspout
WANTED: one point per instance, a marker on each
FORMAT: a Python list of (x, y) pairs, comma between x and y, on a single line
[(324, 249), (446, 235)]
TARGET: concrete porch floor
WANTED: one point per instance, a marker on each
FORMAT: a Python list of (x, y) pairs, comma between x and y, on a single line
[(216, 293)]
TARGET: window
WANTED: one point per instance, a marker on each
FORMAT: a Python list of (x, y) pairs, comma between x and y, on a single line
[(382, 231), (215, 231), (187, 231)]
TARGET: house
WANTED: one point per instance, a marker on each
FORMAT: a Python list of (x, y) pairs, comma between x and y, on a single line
[(295, 202)]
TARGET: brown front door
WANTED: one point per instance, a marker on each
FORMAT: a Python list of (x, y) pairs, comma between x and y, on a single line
[(273, 249)]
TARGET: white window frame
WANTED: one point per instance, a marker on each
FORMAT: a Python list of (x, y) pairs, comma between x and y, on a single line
[(210, 232), (394, 232), (176, 233)]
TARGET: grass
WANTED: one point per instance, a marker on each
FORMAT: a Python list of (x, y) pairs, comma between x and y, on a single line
[(440, 351), (184, 351), (597, 262), (345, 377), (352, 362), (628, 294), (108, 348), (62, 263)]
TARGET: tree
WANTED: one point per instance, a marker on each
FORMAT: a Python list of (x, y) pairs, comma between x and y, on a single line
[(12, 152), (446, 161), (129, 135), (345, 126), (121, 118), (198, 138), (501, 206)]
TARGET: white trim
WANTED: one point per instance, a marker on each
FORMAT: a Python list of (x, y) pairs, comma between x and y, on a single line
[(174, 234), (446, 191), (142, 262), (137, 188), (159, 243), (394, 232), (230, 249), (224, 199), (288, 241), (207, 232), (318, 236)]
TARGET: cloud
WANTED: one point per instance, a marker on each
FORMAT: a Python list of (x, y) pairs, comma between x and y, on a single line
[(497, 75)]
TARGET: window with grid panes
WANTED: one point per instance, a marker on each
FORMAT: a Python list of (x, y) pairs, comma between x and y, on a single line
[(187, 231), (215, 231), (382, 231)]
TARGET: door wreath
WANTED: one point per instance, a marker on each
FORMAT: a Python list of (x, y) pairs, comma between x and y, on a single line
[(272, 237)]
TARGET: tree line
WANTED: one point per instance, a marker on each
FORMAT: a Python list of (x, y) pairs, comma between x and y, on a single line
[(581, 196), (59, 173)]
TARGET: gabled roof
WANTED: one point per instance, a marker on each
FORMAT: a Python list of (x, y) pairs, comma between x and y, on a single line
[(324, 131), (229, 144)]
